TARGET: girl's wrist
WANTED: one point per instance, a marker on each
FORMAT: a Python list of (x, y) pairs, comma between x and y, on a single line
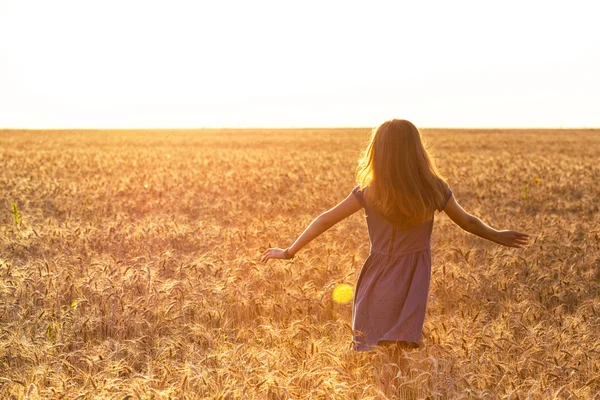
[(495, 236), (288, 254)]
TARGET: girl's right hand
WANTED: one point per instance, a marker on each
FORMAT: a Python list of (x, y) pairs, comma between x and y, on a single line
[(275, 253), (511, 238)]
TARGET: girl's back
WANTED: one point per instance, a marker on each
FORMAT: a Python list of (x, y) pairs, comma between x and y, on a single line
[(389, 239)]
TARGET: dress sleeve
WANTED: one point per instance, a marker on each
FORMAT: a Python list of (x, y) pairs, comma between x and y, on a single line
[(448, 196), (359, 195)]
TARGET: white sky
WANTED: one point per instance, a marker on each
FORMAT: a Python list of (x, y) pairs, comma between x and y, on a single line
[(258, 63)]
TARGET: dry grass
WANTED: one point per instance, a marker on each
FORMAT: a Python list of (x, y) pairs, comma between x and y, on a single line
[(134, 271)]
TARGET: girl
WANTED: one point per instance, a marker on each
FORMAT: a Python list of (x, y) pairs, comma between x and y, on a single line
[(399, 189)]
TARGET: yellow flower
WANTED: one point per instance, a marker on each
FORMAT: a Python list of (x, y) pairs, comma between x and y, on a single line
[(342, 293), (537, 181)]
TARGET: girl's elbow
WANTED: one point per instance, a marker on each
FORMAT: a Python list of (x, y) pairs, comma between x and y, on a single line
[(325, 220), (470, 223)]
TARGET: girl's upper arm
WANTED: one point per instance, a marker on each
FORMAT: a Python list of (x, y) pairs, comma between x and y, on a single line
[(457, 213), (342, 210)]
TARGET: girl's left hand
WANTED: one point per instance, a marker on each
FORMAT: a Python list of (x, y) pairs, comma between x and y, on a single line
[(512, 238), (273, 253)]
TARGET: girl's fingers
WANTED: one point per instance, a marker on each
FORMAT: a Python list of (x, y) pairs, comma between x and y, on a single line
[(265, 255), (275, 253), (521, 234)]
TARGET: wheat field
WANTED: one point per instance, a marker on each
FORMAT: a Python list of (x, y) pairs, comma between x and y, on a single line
[(129, 268)]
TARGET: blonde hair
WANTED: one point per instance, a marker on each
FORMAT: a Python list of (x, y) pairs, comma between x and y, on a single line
[(398, 177)]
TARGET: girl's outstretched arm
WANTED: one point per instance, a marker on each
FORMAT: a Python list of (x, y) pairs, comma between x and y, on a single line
[(344, 209), (474, 225)]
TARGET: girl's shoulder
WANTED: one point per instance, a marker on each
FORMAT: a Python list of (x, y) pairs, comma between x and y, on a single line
[(447, 196), (358, 192)]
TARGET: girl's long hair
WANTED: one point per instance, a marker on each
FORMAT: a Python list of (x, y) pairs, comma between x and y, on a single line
[(398, 177)]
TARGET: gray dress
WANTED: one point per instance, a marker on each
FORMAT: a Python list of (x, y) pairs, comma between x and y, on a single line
[(391, 292)]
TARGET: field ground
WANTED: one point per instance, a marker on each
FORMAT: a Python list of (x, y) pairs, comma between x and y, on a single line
[(129, 268)]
